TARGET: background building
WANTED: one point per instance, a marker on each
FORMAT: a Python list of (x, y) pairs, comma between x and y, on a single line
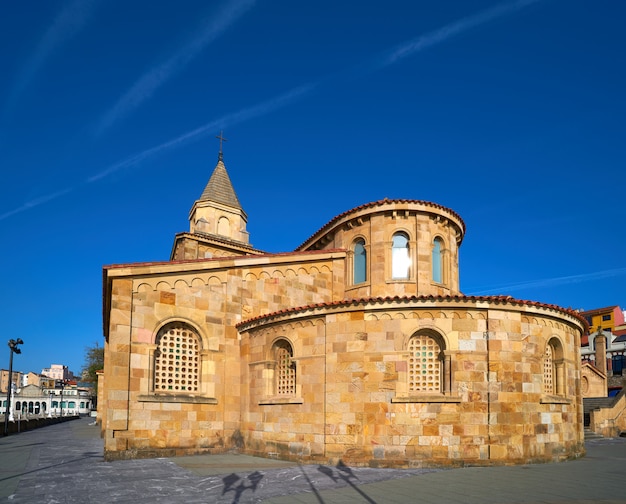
[(58, 372), (16, 377), (607, 326)]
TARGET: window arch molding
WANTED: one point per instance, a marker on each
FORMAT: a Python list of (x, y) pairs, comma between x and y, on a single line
[(277, 341), (433, 332), (180, 320)]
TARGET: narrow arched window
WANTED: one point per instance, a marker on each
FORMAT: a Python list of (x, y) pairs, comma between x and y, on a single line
[(360, 261), (176, 360), (425, 364), (400, 257), (285, 368), (437, 262), (223, 226), (554, 368), (548, 370)]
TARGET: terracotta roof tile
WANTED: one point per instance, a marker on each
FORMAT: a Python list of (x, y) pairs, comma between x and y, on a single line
[(373, 204), (414, 299)]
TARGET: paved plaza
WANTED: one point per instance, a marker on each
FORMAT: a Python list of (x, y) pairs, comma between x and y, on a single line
[(63, 463)]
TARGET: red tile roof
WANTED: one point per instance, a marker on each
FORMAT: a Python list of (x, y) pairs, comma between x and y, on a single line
[(416, 299), (373, 204)]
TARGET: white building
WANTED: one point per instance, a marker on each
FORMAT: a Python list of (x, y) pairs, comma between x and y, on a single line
[(57, 372), (32, 401)]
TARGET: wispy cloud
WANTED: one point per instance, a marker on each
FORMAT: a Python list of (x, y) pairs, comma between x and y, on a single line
[(451, 30), (36, 202), (149, 82), (154, 78), (549, 282), (68, 23), (223, 122), (394, 56)]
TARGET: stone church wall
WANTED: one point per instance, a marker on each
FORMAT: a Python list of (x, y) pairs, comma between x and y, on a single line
[(285, 355), (493, 408), (139, 422)]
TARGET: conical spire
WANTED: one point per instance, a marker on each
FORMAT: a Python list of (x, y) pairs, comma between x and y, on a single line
[(218, 211), (220, 189)]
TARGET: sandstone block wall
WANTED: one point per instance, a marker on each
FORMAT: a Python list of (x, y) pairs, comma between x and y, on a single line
[(495, 410), (137, 421)]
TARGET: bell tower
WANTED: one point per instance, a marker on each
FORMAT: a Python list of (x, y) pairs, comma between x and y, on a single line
[(218, 212)]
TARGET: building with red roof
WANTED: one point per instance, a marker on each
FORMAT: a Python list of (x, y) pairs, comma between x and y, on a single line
[(358, 346)]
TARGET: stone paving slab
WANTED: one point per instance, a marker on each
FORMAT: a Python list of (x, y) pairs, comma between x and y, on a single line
[(64, 463)]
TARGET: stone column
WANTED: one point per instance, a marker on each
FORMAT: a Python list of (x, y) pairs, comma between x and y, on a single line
[(600, 344)]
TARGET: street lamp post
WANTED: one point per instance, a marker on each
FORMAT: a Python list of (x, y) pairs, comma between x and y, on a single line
[(14, 349), (62, 387)]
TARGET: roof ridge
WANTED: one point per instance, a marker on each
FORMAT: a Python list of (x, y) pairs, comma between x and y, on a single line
[(381, 202), (381, 299)]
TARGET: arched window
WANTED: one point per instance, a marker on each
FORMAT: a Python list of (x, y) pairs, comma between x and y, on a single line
[(400, 257), (285, 368), (202, 225), (437, 261), (548, 370), (553, 368), (223, 226), (425, 370), (176, 360), (18, 406), (360, 262)]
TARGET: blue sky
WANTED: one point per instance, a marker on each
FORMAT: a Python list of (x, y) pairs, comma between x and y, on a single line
[(511, 114)]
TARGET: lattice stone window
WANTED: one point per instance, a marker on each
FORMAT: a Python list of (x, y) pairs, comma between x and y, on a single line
[(424, 364), (548, 370), (285, 369), (177, 362)]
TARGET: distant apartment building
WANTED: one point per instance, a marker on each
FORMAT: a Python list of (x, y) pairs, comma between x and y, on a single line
[(610, 318), (57, 372), (32, 378), (16, 378)]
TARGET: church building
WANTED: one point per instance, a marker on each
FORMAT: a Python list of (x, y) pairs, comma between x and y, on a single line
[(357, 346)]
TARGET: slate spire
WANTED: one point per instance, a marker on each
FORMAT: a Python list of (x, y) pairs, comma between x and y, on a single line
[(220, 188)]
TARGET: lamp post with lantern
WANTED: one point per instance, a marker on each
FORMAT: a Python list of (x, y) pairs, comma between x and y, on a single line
[(13, 345), (62, 385)]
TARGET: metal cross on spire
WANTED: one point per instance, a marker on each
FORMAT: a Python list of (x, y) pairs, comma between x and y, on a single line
[(222, 139)]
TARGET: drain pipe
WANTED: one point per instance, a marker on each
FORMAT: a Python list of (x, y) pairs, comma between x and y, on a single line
[(487, 334)]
